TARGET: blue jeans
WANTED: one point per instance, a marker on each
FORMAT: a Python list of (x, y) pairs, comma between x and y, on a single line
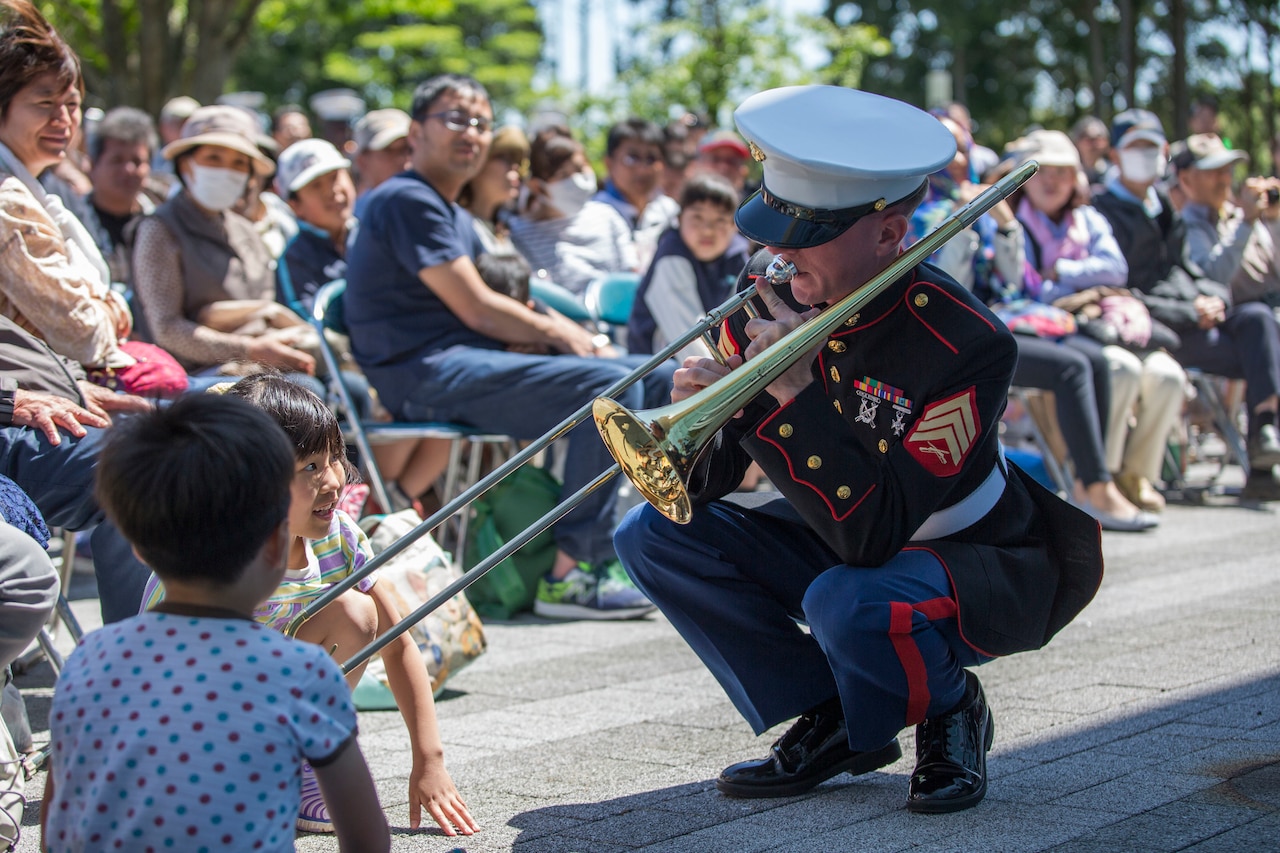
[(59, 479), (524, 396)]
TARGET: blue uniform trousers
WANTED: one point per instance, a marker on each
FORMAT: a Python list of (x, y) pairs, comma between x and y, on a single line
[(735, 583)]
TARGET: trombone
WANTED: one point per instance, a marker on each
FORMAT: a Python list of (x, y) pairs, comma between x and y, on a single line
[(463, 501), (655, 448), (658, 447)]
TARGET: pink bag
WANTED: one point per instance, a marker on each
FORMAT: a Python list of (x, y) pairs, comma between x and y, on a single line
[(1129, 317), (156, 373)]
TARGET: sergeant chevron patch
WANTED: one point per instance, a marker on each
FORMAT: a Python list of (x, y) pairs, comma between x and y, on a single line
[(945, 433)]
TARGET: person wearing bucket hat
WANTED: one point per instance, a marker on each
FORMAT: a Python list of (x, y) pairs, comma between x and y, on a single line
[(1235, 340), (1070, 249), (195, 254), (903, 540)]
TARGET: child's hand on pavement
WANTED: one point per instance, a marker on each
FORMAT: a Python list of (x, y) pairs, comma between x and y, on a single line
[(430, 786)]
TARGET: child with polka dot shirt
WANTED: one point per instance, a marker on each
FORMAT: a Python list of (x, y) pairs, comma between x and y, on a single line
[(186, 727), (326, 547)]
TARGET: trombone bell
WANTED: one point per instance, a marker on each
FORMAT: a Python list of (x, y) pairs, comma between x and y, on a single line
[(644, 458)]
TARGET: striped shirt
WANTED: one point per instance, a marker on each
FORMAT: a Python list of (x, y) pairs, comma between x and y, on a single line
[(329, 561)]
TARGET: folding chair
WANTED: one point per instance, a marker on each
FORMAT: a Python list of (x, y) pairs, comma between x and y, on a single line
[(558, 298), (1223, 419), (327, 315), (1044, 433)]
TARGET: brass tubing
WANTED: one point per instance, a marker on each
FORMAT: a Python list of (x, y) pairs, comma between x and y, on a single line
[(657, 448), (464, 500), (478, 571)]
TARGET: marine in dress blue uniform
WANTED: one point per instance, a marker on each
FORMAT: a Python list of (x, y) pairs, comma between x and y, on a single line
[(902, 539)]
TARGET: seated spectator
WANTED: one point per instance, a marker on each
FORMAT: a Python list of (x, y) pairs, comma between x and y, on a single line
[(289, 124), (506, 274), (982, 158), (381, 150), (270, 216), (724, 153), (28, 593), (173, 115), (52, 425), (634, 161), (1131, 205), (1093, 142), (312, 178), (120, 153), (694, 270), (565, 231), (54, 281), (676, 158), (434, 339), (1239, 341), (1232, 241), (491, 195), (1070, 246), (201, 272), (993, 249)]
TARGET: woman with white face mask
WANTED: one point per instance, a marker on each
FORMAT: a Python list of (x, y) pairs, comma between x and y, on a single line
[(563, 231), (196, 262)]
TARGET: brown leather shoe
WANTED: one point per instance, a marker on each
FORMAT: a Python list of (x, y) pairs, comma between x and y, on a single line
[(1139, 491)]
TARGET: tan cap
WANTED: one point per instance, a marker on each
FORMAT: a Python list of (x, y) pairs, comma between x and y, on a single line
[(377, 129), (179, 108), (1204, 151), (230, 127), (1046, 147)]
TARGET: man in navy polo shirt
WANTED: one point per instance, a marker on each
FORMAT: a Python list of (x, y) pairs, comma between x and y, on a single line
[(435, 340)]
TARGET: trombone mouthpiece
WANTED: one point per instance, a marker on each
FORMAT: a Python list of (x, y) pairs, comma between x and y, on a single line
[(780, 271)]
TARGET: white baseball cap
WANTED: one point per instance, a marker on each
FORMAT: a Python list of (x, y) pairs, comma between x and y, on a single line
[(303, 162), (830, 156)]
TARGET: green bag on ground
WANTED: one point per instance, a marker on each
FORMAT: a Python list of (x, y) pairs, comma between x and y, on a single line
[(500, 515)]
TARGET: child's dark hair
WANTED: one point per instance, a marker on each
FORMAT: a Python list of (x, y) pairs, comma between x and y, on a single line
[(709, 187), (197, 487), (506, 273), (309, 423)]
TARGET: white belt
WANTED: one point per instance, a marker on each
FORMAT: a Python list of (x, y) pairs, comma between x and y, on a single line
[(968, 511)]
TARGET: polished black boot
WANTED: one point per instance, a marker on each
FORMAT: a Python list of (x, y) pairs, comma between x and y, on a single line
[(951, 756), (814, 749)]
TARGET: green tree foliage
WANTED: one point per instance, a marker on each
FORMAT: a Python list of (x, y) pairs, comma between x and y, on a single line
[(142, 52), (706, 55), (384, 48)]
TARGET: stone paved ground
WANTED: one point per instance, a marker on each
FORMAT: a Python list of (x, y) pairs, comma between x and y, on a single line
[(1151, 723)]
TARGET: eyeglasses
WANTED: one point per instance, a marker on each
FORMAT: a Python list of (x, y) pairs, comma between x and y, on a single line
[(630, 160), (458, 121)]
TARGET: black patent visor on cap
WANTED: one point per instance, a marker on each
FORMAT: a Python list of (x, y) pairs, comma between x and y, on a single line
[(771, 221)]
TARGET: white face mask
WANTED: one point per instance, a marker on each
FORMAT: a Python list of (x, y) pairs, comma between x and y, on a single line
[(570, 194), (1142, 165), (214, 188)]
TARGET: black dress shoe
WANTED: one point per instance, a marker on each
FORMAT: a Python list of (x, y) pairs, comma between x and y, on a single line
[(951, 757), (813, 750)]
